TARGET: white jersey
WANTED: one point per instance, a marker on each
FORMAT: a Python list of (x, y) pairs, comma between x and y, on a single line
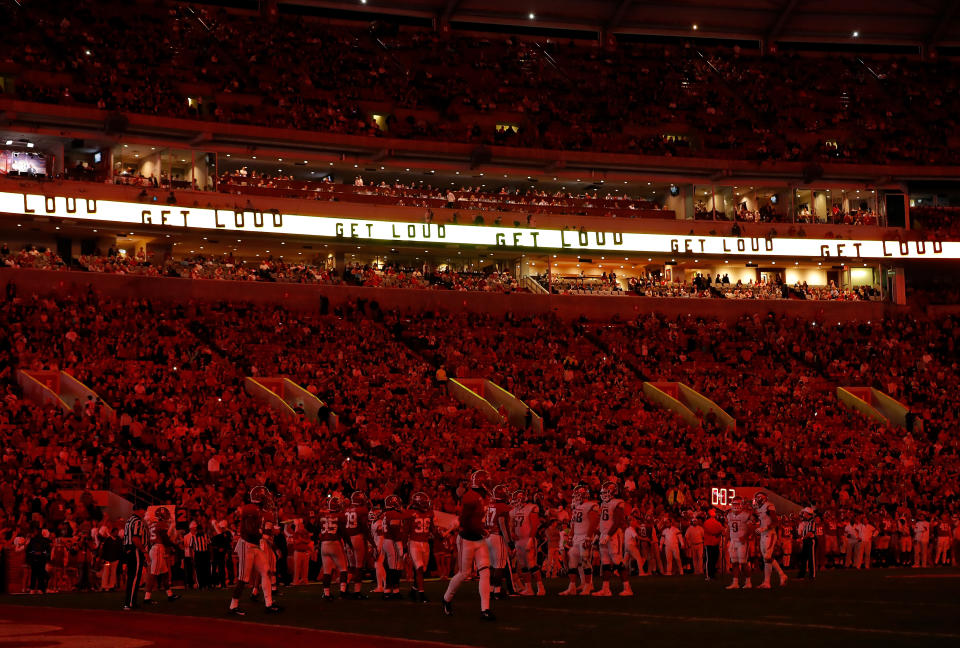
[(738, 524), (766, 514), (921, 531), (520, 521), (630, 537), (607, 510), (671, 537), (580, 518)]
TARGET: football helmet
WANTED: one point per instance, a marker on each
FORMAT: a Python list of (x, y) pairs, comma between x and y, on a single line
[(480, 480), (737, 504), (392, 502), (580, 495), (518, 498), (358, 498), (500, 493), (420, 502), (807, 512), (259, 495), (759, 499), (162, 515), (373, 516), (608, 491), (334, 504)]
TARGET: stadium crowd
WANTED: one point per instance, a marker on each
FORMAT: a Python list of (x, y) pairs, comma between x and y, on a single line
[(184, 432), (682, 100)]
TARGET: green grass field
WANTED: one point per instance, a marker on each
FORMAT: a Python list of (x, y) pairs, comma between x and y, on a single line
[(878, 607)]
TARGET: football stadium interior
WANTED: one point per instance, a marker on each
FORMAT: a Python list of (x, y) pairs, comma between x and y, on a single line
[(316, 314)]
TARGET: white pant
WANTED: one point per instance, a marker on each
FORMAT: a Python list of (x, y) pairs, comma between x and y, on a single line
[(738, 552), (578, 555), (331, 553), (356, 551), (611, 551), (527, 553), (252, 559), (393, 553), (672, 552), (472, 553), (498, 551), (419, 554), (768, 542)]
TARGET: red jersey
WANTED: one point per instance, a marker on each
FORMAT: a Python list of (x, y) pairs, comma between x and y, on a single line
[(471, 515), (356, 520), (496, 511), (422, 529), (331, 525), (395, 523), (251, 522)]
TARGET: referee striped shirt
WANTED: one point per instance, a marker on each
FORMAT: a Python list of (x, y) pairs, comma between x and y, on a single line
[(199, 542), (133, 529)]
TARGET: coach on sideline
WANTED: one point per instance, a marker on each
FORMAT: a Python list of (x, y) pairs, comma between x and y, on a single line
[(134, 534), (712, 530)]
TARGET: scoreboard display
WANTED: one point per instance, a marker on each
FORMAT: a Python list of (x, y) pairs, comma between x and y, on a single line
[(722, 496)]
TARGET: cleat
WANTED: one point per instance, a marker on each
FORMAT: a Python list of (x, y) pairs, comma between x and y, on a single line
[(541, 591), (570, 591), (587, 590), (487, 615), (733, 585), (527, 591), (127, 608), (764, 586), (747, 585), (626, 591), (447, 607), (379, 590), (603, 592), (274, 609), (236, 612), (783, 580)]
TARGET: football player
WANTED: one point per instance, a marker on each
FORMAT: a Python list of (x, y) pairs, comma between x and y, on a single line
[(497, 523), (356, 526), (422, 531), (250, 557), (584, 518), (525, 523), (376, 536), (472, 548), (739, 521), (613, 522), (396, 525), (331, 523), (767, 515), (161, 551), (631, 541)]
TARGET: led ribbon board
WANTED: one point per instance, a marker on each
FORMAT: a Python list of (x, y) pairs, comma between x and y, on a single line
[(175, 217)]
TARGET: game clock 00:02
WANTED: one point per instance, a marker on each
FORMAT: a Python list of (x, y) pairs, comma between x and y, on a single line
[(722, 496)]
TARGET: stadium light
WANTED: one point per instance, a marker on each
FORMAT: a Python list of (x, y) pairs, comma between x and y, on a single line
[(856, 34), (532, 16), (695, 27)]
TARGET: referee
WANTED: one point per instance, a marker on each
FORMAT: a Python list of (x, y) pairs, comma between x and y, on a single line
[(808, 550), (133, 556)]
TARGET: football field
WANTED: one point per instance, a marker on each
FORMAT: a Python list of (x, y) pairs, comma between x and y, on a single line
[(877, 608)]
